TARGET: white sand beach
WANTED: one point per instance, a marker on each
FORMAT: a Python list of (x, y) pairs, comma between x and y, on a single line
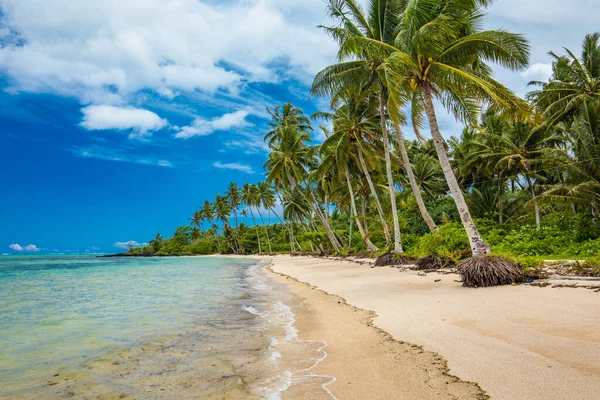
[(516, 342)]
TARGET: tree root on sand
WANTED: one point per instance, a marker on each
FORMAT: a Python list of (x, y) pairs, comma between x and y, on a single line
[(489, 271)]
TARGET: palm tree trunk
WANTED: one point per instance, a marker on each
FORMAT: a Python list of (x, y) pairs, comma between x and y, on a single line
[(363, 209), (536, 207), (257, 230), (266, 230), (388, 170), (328, 231), (478, 246), (285, 225), (365, 170), (413, 181), (366, 239)]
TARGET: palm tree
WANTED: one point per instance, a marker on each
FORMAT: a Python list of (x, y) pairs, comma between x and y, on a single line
[(222, 212), (288, 166), (574, 83), (265, 199), (448, 62), (582, 179), (378, 26), (233, 196), (336, 155), (519, 149), (353, 129), (196, 219), (250, 198), (207, 212), (440, 51)]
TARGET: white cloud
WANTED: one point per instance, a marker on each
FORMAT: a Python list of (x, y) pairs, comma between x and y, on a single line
[(204, 127), (19, 248), (128, 244), (111, 49), (121, 118), (538, 72), (234, 166)]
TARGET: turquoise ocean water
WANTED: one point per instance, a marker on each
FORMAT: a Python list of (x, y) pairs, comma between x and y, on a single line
[(60, 311), (84, 327)]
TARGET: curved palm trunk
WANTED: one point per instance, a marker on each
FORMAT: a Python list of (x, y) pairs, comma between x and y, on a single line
[(365, 170), (478, 246), (366, 239), (287, 227), (328, 231), (390, 177), (257, 229), (265, 228), (538, 222), (413, 182)]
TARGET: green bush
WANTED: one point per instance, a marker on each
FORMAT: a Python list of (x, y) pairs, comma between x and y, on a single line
[(451, 242)]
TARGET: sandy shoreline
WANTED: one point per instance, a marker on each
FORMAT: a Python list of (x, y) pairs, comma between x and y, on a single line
[(515, 342)]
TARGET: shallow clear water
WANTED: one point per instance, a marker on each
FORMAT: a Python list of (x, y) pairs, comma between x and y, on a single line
[(150, 328), (62, 310)]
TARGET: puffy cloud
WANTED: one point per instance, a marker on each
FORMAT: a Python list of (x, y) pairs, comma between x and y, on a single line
[(121, 118), (108, 50), (19, 248), (538, 72), (128, 244), (203, 127), (234, 166)]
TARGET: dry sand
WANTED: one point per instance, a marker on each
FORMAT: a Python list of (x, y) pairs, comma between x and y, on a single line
[(516, 342)]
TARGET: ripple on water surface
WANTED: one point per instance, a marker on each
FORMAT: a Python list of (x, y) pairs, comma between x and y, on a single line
[(151, 328)]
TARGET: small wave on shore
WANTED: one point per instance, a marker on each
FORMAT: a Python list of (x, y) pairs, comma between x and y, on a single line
[(291, 358)]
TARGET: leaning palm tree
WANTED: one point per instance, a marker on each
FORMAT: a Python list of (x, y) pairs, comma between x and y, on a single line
[(440, 52), (354, 130), (288, 166), (250, 198), (357, 64), (336, 153)]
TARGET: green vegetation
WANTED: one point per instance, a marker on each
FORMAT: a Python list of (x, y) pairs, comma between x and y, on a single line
[(522, 180)]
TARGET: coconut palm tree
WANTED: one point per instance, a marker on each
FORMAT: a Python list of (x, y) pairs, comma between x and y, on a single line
[(582, 179), (358, 64), (448, 63), (233, 196), (222, 212), (520, 149), (250, 198), (266, 200), (207, 212), (440, 52), (336, 153), (196, 219), (574, 82), (288, 166), (354, 128)]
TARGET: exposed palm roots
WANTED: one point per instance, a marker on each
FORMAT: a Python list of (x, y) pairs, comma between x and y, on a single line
[(391, 259), (489, 271), (434, 262)]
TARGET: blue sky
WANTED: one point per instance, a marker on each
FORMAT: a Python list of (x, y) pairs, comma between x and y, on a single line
[(120, 117)]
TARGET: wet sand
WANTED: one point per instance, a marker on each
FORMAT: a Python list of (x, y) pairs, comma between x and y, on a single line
[(367, 362), (516, 342)]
